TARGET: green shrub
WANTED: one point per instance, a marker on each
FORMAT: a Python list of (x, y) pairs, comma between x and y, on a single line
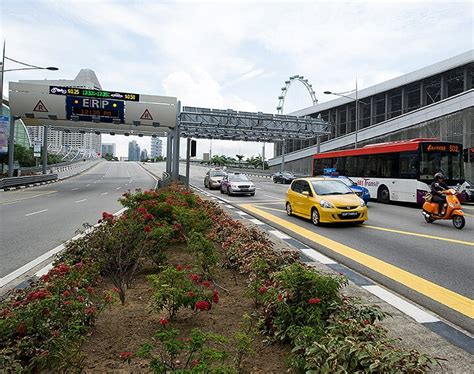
[(205, 253)]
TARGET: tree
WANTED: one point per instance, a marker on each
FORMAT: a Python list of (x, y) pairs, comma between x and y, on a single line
[(239, 157)]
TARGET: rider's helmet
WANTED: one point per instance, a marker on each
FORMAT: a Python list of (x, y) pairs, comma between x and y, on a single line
[(439, 175)]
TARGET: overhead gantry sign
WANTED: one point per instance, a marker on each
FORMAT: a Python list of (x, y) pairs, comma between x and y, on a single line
[(93, 110)]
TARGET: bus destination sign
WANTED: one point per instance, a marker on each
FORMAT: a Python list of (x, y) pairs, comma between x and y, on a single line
[(442, 147), (58, 90), (92, 109)]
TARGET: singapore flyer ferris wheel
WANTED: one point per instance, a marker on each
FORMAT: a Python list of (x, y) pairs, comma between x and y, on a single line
[(285, 89)]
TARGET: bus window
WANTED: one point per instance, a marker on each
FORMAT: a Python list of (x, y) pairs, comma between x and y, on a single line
[(408, 168), (351, 166), (361, 166)]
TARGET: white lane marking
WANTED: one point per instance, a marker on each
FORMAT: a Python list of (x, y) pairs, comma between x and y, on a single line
[(95, 182), (256, 221), (258, 188), (87, 185), (314, 255), (39, 211), (74, 189), (119, 187), (409, 309), (242, 213), (229, 206), (30, 265), (273, 197), (279, 234), (80, 201), (105, 193)]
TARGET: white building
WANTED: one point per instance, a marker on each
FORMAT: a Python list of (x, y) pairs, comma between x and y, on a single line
[(156, 147), (59, 139)]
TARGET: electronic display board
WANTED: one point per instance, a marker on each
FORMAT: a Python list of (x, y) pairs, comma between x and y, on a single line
[(86, 108), (72, 91)]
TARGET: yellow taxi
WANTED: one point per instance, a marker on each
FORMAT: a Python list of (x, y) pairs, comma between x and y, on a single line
[(324, 200)]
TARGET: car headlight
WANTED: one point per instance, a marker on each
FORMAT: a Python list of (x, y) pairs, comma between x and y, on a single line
[(233, 185), (362, 202), (326, 204)]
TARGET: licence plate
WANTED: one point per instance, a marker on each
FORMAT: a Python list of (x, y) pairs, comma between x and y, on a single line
[(349, 214)]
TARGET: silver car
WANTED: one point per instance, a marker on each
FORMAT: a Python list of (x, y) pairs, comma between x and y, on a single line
[(237, 184), (213, 179)]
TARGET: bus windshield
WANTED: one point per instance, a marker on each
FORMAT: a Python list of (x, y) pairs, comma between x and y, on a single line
[(450, 164)]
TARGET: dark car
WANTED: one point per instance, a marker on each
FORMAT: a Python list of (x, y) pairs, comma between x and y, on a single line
[(237, 184), (286, 178)]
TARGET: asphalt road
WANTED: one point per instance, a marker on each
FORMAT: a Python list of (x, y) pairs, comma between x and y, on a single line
[(395, 234), (35, 220)]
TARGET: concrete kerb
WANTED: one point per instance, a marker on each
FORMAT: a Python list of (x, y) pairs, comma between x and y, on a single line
[(415, 328)]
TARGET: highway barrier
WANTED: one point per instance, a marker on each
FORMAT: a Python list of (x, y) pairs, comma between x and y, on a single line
[(31, 179)]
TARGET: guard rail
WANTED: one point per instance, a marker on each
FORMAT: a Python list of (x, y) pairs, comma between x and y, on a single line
[(31, 179)]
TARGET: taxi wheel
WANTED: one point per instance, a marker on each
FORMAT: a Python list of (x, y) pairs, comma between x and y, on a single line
[(288, 209), (315, 216)]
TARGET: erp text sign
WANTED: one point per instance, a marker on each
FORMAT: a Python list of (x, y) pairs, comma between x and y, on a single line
[(94, 109)]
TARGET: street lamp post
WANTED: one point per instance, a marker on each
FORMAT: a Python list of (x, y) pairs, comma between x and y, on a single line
[(356, 92), (11, 135)]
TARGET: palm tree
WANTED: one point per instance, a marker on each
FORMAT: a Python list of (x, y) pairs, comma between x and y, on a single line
[(240, 157)]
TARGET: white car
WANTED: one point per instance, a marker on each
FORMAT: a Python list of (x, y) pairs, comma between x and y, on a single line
[(213, 178), (237, 184)]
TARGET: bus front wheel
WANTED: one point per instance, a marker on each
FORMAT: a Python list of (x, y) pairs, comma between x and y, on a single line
[(383, 195)]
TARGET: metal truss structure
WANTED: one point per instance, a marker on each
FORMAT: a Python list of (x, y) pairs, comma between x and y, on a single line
[(284, 91), (247, 126)]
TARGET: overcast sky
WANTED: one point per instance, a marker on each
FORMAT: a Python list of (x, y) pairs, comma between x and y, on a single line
[(232, 54)]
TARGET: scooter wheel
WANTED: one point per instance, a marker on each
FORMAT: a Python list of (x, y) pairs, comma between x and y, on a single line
[(459, 222)]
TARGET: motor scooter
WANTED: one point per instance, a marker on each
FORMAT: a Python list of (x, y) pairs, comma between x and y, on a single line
[(452, 209)]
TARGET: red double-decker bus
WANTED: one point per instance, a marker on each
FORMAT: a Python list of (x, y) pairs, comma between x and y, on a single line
[(396, 171)]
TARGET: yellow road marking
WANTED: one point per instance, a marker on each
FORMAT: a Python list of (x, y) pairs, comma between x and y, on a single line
[(451, 299), (28, 197), (419, 235), (267, 208)]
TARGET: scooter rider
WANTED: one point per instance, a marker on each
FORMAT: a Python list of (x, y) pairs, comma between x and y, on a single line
[(437, 187)]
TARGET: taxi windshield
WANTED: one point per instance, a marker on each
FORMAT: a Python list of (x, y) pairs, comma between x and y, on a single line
[(328, 187), (238, 177)]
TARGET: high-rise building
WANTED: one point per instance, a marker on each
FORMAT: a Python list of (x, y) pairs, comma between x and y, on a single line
[(156, 147), (133, 151), (86, 78), (108, 148), (144, 155)]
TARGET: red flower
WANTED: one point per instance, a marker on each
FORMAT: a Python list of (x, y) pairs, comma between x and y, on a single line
[(90, 290), (194, 277), (80, 265), (202, 305), (148, 217), (164, 322), (215, 298), (55, 333), (188, 267), (280, 297), (90, 311), (80, 298), (68, 302), (66, 293), (45, 278), (206, 284), (179, 267), (194, 363), (262, 290), (125, 355), (191, 294), (21, 329), (147, 228), (314, 300), (115, 289), (366, 322)]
